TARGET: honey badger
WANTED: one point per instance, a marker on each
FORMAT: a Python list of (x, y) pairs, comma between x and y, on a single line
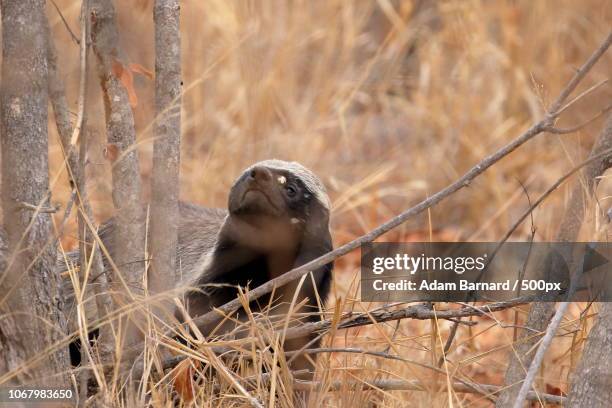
[(277, 219)]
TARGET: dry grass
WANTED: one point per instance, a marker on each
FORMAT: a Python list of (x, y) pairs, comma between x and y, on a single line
[(388, 102)]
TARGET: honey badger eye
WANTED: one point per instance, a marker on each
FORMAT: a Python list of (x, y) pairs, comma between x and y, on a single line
[(291, 191)]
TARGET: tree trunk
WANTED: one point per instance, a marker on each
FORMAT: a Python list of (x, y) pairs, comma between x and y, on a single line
[(541, 312), (75, 165), (128, 236), (166, 153), (592, 379), (30, 284)]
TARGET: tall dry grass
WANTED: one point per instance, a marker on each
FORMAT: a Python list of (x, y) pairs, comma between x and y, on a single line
[(388, 101)]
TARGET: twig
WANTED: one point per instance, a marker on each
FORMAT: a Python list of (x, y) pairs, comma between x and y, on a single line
[(539, 356), (563, 131), (524, 267), (83, 75), (532, 207), (420, 312), (353, 350), (579, 75), (580, 96), (449, 342), (60, 106), (464, 181), (59, 12), (39, 209), (67, 212), (547, 339), (540, 199)]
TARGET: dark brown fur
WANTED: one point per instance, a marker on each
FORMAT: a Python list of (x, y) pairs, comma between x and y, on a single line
[(263, 234), (267, 232)]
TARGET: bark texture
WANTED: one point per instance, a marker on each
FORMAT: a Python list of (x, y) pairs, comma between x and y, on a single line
[(75, 165), (166, 150), (121, 151), (541, 312), (121, 147), (30, 284), (592, 379)]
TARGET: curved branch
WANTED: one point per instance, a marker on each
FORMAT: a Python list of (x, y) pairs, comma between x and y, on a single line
[(464, 181)]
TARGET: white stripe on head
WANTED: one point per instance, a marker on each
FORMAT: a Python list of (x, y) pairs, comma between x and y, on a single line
[(310, 180)]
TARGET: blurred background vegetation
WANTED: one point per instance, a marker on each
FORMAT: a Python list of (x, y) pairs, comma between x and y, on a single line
[(388, 102)]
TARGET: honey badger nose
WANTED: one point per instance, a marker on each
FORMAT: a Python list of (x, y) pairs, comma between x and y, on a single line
[(260, 174)]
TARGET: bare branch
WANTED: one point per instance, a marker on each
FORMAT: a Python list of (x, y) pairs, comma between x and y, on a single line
[(76, 132), (464, 181), (603, 155), (563, 131), (580, 96), (59, 12), (43, 210), (449, 341), (420, 312), (579, 75), (539, 356)]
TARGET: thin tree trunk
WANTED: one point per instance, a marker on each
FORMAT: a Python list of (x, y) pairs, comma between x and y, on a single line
[(592, 380), (128, 235), (166, 153), (30, 285), (541, 312), (75, 164)]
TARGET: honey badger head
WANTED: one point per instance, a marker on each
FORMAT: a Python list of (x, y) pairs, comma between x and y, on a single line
[(275, 204), (278, 219)]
